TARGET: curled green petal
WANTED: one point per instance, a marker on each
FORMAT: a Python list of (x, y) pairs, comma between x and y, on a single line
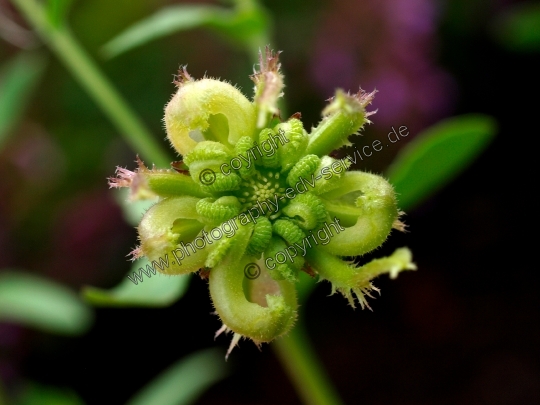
[(288, 230), (244, 150), (207, 109), (297, 140), (366, 206), (275, 260), (214, 211), (262, 233), (269, 159), (303, 169), (307, 211), (270, 310), (205, 164), (207, 152), (219, 182), (206, 155), (163, 232), (217, 254)]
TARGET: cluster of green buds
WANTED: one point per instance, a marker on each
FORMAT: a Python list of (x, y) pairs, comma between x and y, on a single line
[(256, 199)]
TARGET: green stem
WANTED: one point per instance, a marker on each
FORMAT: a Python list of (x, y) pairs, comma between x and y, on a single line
[(306, 373), (3, 397), (96, 84)]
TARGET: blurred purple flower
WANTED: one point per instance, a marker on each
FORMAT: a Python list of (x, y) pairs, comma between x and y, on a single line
[(388, 45)]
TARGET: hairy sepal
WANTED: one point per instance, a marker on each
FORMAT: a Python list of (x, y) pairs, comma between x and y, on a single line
[(144, 183), (348, 279), (268, 86), (344, 116), (205, 161)]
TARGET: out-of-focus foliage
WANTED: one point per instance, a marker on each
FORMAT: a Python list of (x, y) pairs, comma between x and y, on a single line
[(3, 399), (133, 210), (518, 27), (184, 381), (437, 155), (57, 11), (247, 25), (391, 50), (157, 290), (18, 77), (40, 303), (36, 394)]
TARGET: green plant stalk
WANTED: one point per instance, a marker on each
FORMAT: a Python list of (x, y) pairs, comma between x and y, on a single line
[(62, 42), (306, 373), (3, 399)]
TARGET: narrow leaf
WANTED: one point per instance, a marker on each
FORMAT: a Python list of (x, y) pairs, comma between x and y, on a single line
[(166, 21), (155, 290), (40, 303), (184, 381), (247, 26), (18, 79), (437, 155)]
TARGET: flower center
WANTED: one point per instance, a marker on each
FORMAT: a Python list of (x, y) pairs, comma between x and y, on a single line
[(264, 189)]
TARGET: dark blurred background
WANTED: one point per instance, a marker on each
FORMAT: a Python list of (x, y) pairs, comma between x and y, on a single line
[(463, 329)]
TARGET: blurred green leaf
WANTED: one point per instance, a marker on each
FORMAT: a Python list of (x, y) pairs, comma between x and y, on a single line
[(57, 11), (40, 303), (155, 291), (247, 26), (162, 23), (518, 28), (132, 210), (184, 381), (158, 290), (18, 79), (437, 155), (34, 394)]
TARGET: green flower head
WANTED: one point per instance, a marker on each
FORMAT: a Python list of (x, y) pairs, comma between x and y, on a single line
[(256, 199)]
